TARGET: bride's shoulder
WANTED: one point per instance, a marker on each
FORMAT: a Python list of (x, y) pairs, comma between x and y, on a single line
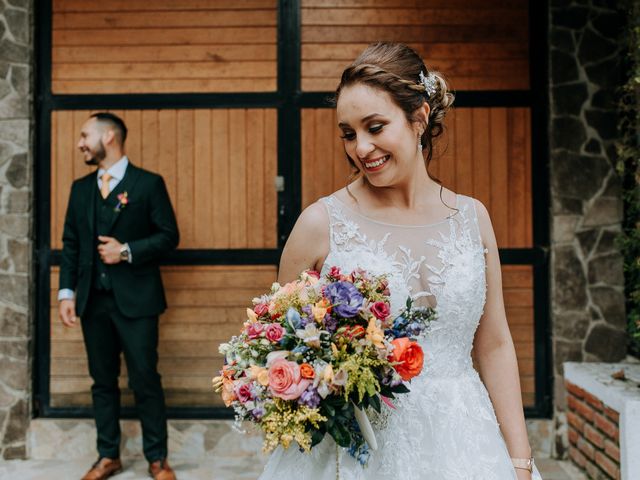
[(313, 223), (462, 201), (476, 209), (308, 244)]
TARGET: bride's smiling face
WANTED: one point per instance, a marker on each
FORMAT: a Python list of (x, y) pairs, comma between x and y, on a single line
[(377, 135)]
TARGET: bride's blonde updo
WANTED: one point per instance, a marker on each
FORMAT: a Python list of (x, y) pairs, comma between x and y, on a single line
[(395, 68)]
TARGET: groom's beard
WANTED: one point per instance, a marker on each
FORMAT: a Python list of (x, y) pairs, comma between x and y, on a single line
[(98, 155)]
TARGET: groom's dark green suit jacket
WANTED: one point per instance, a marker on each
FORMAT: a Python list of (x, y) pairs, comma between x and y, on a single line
[(147, 223)]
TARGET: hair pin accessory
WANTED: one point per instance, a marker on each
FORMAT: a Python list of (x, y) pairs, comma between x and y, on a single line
[(429, 83)]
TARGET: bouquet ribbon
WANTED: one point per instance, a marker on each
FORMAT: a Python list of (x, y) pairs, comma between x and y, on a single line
[(365, 427)]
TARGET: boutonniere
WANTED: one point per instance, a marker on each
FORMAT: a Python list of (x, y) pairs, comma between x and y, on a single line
[(123, 199)]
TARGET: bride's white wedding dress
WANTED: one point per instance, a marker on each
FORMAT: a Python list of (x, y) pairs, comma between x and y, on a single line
[(445, 428)]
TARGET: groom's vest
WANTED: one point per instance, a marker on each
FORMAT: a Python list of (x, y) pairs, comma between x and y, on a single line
[(103, 215)]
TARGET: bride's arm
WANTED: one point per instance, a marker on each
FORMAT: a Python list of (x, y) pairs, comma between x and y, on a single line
[(495, 354), (308, 244)]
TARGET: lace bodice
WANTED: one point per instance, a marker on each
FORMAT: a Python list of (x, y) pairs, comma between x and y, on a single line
[(441, 265)]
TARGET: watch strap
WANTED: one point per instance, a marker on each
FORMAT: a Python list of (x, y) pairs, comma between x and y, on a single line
[(523, 463)]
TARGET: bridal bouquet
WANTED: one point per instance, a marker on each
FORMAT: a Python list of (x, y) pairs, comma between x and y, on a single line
[(316, 352)]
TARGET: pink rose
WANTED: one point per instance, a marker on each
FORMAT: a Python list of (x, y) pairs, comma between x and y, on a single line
[(285, 380), (380, 310), (254, 329), (313, 273), (243, 392), (274, 332), (334, 272), (261, 309)]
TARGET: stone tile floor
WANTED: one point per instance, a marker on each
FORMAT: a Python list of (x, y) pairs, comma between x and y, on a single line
[(211, 469)]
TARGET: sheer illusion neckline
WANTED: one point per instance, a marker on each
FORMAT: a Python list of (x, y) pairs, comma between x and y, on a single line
[(398, 225)]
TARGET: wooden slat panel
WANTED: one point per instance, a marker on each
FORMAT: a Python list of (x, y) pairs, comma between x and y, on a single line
[(414, 34), (158, 5), (270, 201), (172, 37), (324, 164), (484, 154), (517, 282), (168, 19), (470, 4), (169, 53), (190, 332), (485, 50), (164, 47), (163, 71), (237, 177), (210, 166), (348, 52), (408, 16), (498, 137)]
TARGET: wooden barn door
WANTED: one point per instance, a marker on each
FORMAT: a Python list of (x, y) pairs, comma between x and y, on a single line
[(227, 100)]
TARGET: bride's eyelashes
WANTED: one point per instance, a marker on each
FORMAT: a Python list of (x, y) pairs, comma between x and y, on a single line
[(349, 136)]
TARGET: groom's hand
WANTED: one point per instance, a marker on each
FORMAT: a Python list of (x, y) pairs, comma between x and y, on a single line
[(67, 311), (109, 250)]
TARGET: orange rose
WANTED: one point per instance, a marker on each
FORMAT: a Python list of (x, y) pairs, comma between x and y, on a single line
[(228, 393), (409, 358), (306, 371)]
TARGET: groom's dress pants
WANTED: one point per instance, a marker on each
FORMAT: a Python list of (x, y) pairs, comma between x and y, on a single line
[(107, 333)]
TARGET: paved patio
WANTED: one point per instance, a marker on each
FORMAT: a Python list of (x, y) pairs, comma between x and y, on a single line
[(209, 469)]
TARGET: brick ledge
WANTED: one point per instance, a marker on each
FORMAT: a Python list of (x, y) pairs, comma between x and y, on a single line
[(623, 396)]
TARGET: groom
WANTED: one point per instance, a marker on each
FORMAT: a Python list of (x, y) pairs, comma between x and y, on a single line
[(119, 222)]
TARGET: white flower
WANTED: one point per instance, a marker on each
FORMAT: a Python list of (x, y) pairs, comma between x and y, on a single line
[(276, 354), (310, 335), (340, 378), (323, 389)]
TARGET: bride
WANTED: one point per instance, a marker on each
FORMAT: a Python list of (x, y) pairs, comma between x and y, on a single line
[(437, 246)]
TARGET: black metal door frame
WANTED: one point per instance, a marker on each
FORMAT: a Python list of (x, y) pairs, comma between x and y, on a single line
[(289, 101)]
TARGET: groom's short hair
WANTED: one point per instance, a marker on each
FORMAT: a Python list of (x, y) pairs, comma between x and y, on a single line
[(115, 122)]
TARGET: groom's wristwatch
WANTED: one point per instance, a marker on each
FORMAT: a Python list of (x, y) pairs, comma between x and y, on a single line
[(124, 252), (523, 463)]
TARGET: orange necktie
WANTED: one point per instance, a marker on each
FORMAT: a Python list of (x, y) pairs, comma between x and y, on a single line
[(104, 189)]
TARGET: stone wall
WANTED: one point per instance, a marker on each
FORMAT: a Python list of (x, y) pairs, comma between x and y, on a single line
[(16, 180), (588, 314)]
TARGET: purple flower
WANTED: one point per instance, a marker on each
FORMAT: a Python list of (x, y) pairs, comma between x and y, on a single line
[(345, 297), (330, 323), (306, 317), (391, 378), (414, 329), (310, 398), (257, 413)]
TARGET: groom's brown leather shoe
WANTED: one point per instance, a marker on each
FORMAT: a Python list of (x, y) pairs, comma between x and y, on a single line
[(103, 468), (160, 470)]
